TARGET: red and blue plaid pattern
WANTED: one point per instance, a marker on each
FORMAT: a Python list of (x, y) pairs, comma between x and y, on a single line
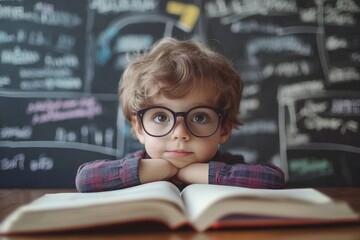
[(224, 169)]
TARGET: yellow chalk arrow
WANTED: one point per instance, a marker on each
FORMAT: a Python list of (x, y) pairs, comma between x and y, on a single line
[(189, 13)]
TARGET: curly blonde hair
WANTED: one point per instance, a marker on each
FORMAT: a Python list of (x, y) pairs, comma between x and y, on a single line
[(173, 68)]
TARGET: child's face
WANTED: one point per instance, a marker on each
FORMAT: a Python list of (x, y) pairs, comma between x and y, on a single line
[(180, 147)]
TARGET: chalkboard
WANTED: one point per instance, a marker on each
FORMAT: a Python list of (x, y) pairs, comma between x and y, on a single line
[(61, 62)]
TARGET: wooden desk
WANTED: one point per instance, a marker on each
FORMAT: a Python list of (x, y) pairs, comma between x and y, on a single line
[(12, 198)]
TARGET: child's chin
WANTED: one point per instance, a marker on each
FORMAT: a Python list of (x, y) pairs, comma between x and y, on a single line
[(180, 163)]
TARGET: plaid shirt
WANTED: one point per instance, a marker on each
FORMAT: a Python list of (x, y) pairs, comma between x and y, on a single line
[(224, 169)]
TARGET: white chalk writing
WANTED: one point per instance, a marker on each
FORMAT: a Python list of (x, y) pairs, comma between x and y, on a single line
[(343, 14), (312, 108), (333, 43), (352, 126), (319, 123), (62, 134), (52, 83), (18, 56), (53, 18), (43, 163), (249, 104), (53, 78), (65, 42), (17, 162), (333, 16), (287, 69), (219, 8), (38, 38), (68, 60), (287, 92), (44, 72), (297, 139), (337, 75), (308, 14), (44, 7), (16, 132), (116, 6), (345, 106), (254, 26), (133, 43), (4, 80), (348, 6), (6, 38), (276, 45), (257, 127), (88, 134), (250, 90)]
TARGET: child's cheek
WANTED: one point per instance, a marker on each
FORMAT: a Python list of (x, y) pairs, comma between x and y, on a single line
[(154, 147)]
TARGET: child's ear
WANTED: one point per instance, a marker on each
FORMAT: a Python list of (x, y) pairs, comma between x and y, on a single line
[(225, 133), (137, 129)]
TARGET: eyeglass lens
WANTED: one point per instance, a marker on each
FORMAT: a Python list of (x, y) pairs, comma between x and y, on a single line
[(201, 121)]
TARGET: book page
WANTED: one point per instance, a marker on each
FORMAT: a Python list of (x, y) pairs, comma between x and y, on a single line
[(156, 190), (199, 197), (158, 201)]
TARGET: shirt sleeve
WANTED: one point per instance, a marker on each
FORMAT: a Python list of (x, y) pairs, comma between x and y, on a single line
[(246, 175), (105, 175)]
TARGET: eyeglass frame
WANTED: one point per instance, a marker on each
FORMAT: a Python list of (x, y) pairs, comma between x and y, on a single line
[(140, 114)]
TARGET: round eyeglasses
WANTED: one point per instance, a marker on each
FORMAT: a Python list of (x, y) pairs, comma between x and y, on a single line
[(201, 121)]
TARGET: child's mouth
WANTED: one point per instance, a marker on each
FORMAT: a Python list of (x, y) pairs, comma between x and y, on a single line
[(178, 153)]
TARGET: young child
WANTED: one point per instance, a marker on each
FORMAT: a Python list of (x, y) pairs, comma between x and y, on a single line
[(182, 100)]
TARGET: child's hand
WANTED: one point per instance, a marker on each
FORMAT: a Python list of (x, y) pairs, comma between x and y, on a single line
[(194, 173), (151, 170)]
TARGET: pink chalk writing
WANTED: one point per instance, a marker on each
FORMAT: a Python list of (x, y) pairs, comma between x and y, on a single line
[(60, 110)]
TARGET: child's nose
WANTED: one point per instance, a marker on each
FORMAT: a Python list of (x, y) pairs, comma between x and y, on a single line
[(180, 131)]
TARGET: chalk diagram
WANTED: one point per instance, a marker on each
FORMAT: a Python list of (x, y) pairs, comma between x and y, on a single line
[(302, 96), (309, 108)]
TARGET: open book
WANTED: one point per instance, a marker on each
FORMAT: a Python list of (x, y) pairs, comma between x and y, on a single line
[(200, 206)]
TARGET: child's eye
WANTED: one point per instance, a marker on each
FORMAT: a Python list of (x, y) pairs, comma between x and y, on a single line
[(161, 118), (201, 118)]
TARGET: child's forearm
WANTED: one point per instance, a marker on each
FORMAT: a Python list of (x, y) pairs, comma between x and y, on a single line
[(104, 175), (194, 173), (151, 170), (246, 175)]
